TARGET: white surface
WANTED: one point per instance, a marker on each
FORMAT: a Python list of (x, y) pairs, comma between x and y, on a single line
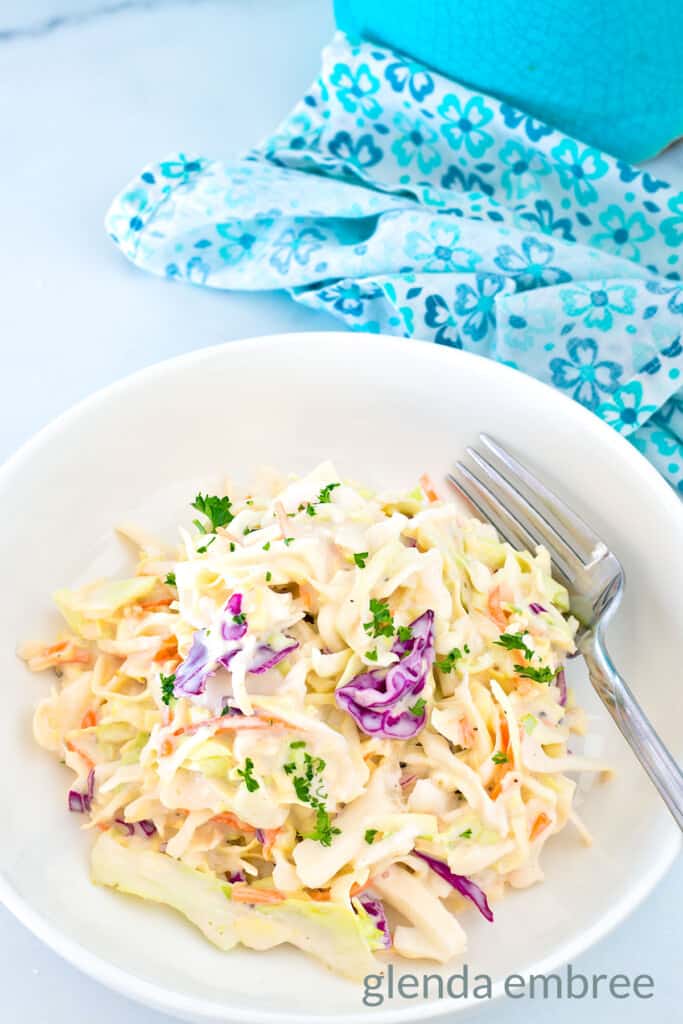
[(83, 107)]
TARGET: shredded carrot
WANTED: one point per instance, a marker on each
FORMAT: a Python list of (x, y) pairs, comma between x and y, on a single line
[(357, 888), (166, 748), (495, 610), (154, 606), (231, 723), (428, 487), (467, 732), (168, 649), (542, 821), (320, 895), (504, 735), (59, 654), (89, 720), (75, 750), (496, 791), (270, 835), (103, 826), (308, 596), (227, 818), (250, 894)]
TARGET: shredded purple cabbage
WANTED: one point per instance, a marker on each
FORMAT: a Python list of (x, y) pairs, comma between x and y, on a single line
[(537, 608), (379, 701), (265, 657), (561, 684), (144, 827), (260, 836), (465, 886), (373, 907), (202, 659), (80, 803), (237, 876)]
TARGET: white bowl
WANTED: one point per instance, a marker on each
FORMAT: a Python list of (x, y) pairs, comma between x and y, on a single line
[(384, 410)]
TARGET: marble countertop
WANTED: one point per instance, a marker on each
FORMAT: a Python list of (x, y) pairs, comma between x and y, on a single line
[(91, 91)]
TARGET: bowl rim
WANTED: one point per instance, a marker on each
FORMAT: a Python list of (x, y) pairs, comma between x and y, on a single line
[(148, 993)]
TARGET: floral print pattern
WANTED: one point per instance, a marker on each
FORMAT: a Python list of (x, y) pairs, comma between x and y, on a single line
[(402, 202)]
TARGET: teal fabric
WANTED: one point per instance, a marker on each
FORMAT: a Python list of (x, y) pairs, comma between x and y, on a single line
[(402, 202), (608, 72)]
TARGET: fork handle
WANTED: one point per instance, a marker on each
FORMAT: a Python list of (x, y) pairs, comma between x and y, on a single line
[(634, 724)]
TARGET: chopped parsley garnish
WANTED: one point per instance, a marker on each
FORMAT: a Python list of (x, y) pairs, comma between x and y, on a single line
[(382, 623), (266, 546), (499, 758), (246, 773), (370, 834), (404, 633), (232, 545), (466, 648), (226, 711), (216, 510), (360, 558), (239, 619), (288, 541), (170, 579), (310, 510), (323, 832), (448, 663), (167, 684), (467, 834), (204, 548), (371, 655), (306, 775), (249, 501), (514, 642), (249, 529), (269, 576), (418, 707), (324, 496), (539, 675)]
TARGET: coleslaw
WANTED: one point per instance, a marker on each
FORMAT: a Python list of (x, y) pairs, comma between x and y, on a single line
[(331, 717)]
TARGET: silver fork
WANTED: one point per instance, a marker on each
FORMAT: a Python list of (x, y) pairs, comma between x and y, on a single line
[(526, 513)]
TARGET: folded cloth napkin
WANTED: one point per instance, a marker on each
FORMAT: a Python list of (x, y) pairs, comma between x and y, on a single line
[(402, 202)]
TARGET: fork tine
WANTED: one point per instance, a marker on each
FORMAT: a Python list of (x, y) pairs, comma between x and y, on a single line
[(491, 509), (564, 557), (585, 542)]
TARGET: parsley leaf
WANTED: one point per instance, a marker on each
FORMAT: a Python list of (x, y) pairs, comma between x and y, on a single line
[(247, 774), (266, 546), (447, 664), (167, 684), (324, 498), (370, 834), (499, 758), (306, 776), (404, 633), (323, 832), (216, 510), (310, 510), (203, 549), (539, 675), (514, 642), (382, 623), (269, 576), (288, 541), (371, 655), (418, 707), (232, 545), (467, 834), (170, 579), (239, 619), (360, 558)]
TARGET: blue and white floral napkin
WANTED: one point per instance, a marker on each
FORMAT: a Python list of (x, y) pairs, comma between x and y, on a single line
[(402, 202)]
